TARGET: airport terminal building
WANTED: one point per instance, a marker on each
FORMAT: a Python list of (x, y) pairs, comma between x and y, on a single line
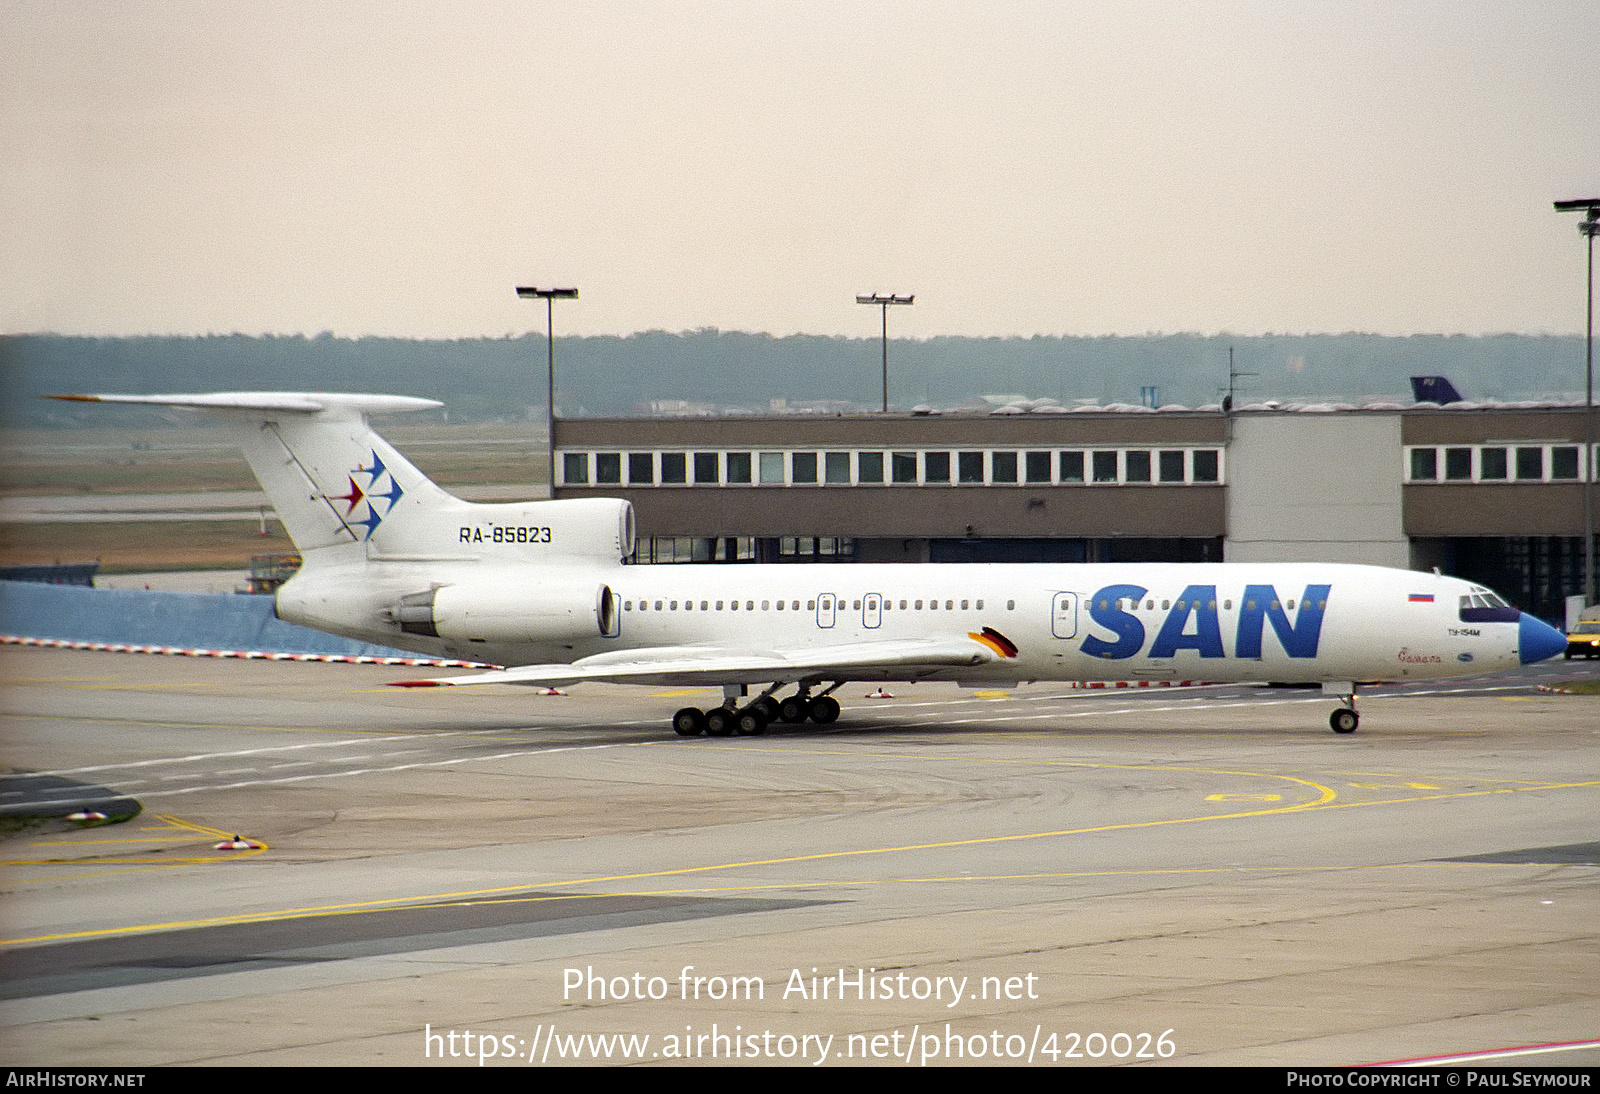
[(1493, 493)]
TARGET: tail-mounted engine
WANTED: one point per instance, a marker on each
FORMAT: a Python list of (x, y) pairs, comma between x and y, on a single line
[(512, 611)]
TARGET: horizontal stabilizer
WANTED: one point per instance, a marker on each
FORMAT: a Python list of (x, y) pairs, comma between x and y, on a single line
[(281, 402), (332, 480)]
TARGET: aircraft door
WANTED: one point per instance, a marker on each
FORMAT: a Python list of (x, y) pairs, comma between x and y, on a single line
[(827, 607), (872, 611), (1064, 615)]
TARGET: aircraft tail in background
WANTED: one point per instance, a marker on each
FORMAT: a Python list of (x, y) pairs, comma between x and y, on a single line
[(1434, 389)]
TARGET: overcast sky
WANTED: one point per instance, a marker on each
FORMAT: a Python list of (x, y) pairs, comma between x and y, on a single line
[(1024, 168)]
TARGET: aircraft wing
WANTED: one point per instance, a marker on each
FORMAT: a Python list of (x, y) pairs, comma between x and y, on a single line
[(695, 666)]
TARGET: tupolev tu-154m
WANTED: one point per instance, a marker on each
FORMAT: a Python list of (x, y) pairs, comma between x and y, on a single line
[(546, 588)]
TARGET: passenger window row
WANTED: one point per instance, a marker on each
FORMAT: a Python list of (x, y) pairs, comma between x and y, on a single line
[(1129, 604), (908, 604)]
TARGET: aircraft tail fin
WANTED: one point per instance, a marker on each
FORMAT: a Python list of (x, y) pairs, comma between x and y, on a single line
[(339, 487), (330, 477)]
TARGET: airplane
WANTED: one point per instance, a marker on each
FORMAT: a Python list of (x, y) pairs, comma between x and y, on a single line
[(546, 589)]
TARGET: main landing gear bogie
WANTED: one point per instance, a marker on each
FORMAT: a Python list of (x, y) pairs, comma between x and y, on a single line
[(752, 720), (720, 722)]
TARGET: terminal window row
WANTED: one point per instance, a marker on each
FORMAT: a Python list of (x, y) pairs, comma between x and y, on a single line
[(1494, 463), (858, 467), (658, 550)]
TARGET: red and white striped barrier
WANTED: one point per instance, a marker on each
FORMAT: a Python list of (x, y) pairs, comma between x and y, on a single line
[(1557, 689)]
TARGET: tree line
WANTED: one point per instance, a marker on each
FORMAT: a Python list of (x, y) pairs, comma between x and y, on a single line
[(504, 378)]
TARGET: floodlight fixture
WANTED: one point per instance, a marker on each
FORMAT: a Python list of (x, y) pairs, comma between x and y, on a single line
[(549, 296), (1591, 205), (1589, 225), (884, 300)]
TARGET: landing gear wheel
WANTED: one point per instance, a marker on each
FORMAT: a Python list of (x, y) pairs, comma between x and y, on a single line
[(1344, 720), (824, 710), (751, 722), (689, 722), (768, 707), (794, 709), (719, 722)]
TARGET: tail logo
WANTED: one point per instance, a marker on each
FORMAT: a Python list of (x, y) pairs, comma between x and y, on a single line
[(369, 497)]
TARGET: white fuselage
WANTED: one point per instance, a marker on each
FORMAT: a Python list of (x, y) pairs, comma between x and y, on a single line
[(1158, 621)]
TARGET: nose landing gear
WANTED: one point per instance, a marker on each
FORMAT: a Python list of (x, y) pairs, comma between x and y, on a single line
[(1345, 719)]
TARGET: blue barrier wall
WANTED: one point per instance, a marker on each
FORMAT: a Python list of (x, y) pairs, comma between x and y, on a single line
[(136, 617)]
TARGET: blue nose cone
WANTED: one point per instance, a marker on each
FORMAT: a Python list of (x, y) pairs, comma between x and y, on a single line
[(1538, 640)]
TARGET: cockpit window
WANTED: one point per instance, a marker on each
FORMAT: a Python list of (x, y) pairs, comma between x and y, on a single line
[(1486, 607)]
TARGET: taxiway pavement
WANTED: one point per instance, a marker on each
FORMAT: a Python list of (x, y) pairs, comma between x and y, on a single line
[(1168, 875)]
